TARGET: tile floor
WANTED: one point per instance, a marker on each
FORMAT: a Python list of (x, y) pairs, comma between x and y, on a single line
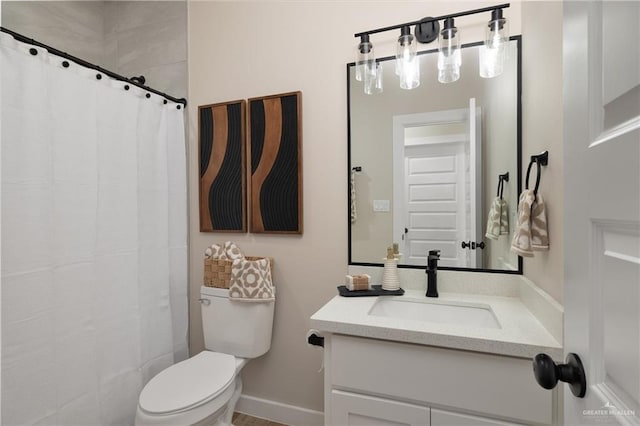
[(245, 420)]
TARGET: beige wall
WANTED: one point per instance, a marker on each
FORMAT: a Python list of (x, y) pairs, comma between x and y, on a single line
[(244, 49), (542, 130)]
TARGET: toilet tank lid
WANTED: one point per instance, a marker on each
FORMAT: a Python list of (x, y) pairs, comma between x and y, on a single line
[(188, 383), (214, 291)]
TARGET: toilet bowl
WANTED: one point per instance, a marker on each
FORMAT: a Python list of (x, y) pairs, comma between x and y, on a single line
[(199, 391), (203, 390)]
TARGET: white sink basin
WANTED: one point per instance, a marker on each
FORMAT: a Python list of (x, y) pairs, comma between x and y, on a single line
[(471, 315)]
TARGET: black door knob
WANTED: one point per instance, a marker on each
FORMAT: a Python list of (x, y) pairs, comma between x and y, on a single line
[(466, 244), (548, 373)]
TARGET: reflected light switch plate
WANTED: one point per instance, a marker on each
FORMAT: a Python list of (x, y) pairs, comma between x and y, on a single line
[(381, 205)]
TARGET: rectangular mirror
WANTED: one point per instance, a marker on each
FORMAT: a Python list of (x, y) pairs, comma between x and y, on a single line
[(425, 165)]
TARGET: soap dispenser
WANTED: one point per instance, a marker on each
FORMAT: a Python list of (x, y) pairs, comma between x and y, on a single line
[(432, 273), (390, 278)]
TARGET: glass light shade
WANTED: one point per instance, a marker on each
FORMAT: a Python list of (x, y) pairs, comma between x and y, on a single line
[(373, 82), (493, 54), (410, 75), (405, 49), (365, 59), (407, 63), (449, 56)]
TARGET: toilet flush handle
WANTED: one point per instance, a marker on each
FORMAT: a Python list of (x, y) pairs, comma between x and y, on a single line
[(205, 302)]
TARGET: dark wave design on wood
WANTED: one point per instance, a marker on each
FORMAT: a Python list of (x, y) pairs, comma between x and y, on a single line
[(279, 195), (222, 182), (276, 186)]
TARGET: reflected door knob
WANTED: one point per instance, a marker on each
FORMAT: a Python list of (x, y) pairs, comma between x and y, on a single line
[(548, 373)]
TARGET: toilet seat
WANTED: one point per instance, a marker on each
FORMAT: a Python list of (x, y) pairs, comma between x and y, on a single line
[(188, 384)]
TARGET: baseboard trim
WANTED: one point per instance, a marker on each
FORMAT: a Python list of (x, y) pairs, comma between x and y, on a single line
[(279, 412)]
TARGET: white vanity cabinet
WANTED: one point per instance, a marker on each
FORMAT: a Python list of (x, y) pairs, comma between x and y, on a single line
[(377, 382)]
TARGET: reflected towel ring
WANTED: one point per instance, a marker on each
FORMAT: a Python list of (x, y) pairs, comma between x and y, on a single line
[(501, 180)]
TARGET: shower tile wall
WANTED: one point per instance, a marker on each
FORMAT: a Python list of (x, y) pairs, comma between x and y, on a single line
[(148, 38), (75, 27), (128, 37)]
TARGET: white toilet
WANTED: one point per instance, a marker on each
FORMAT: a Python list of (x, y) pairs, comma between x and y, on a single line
[(204, 389)]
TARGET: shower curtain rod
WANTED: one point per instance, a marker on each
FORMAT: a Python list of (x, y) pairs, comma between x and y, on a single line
[(79, 61)]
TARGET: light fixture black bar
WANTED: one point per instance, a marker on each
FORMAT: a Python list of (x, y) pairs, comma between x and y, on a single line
[(437, 18), (84, 63)]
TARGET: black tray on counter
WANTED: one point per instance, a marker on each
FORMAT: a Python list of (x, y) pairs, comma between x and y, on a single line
[(376, 290)]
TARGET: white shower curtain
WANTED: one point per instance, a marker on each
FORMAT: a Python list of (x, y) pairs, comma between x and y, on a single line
[(94, 230)]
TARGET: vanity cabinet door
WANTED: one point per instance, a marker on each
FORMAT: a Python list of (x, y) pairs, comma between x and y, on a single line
[(350, 409), (446, 418)]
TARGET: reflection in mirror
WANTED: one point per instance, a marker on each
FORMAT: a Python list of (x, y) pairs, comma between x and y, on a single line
[(429, 163)]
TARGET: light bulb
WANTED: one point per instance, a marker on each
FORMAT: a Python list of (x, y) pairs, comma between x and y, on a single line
[(407, 64), (492, 55)]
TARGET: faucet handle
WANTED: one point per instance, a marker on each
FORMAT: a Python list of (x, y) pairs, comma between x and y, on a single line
[(434, 254)]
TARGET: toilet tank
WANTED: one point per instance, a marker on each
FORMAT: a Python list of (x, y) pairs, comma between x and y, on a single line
[(242, 329)]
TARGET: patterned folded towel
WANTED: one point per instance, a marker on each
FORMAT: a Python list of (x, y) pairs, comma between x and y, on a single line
[(531, 230), (230, 251), (498, 220), (251, 281), (539, 229)]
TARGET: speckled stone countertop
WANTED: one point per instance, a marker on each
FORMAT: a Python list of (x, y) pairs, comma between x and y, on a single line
[(520, 333)]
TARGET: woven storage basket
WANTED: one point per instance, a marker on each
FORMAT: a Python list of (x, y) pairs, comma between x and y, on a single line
[(217, 272)]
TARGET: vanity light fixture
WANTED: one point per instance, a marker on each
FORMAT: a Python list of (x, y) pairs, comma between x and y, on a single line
[(492, 54)]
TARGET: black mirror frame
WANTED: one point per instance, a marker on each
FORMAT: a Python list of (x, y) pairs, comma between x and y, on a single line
[(519, 271)]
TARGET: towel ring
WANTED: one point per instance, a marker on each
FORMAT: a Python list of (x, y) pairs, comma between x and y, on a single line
[(540, 160), (535, 190)]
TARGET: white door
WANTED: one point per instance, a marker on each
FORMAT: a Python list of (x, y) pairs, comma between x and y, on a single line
[(602, 208), (464, 127), (435, 203)]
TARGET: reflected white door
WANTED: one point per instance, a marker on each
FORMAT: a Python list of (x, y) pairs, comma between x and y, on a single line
[(602, 208), (435, 202), (432, 174)]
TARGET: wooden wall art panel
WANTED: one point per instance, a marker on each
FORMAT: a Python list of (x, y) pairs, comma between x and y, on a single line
[(275, 146), (223, 192)]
